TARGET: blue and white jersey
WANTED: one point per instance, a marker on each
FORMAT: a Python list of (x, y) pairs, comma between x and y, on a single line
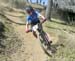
[(34, 18)]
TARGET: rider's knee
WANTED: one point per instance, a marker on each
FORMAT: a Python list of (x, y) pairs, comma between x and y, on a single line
[(34, 33)]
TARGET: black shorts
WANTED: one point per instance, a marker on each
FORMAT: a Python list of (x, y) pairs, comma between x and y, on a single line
[(34, 23)]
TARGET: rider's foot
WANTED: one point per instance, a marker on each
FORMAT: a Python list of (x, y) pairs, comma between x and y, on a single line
[(50, 42)]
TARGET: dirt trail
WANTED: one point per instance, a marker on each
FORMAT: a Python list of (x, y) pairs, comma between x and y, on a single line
[(30, 49)]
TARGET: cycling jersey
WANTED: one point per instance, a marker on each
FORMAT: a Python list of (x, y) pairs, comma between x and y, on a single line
[(33, 19)]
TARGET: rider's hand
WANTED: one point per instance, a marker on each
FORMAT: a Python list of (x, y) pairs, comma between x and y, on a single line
[(44, 20), (27, 30)]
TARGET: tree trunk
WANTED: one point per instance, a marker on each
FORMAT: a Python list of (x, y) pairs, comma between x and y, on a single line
[(27, 0), (11, 3), (40, 1), (37, 1), (49, 9), (30, 1)]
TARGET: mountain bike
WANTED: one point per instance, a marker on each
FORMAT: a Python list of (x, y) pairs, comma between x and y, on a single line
[(44, 38)]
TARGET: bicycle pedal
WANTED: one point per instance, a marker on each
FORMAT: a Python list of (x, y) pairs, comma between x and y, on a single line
[(50, 42)]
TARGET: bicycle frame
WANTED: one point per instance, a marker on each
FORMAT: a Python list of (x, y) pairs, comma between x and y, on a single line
[(42, 34), (44, 39)]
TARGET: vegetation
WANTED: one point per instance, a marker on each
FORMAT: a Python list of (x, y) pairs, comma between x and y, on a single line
[(49, 9), (65, 50), (9, 42), (63, 34)]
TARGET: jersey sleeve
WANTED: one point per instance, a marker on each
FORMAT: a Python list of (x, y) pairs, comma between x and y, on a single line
[(38, 13)]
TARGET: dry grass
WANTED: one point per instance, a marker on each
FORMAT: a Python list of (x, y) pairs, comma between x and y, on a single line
[(61, 34), (66, 37)]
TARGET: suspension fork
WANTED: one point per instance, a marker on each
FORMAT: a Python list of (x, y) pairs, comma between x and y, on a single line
[(43, 35)]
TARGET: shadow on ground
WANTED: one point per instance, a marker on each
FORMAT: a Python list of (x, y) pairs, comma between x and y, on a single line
[(2, 36)]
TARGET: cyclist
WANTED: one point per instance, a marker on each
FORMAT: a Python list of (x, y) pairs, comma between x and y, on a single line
[(33, 19)]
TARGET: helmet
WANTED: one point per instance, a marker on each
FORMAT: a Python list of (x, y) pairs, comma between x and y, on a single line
[(29, 9)]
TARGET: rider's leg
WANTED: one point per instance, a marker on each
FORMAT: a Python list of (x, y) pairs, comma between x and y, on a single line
[(34, 33)]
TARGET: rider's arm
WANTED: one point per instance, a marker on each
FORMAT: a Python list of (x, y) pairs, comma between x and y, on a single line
[(27, 24), (43, 18)]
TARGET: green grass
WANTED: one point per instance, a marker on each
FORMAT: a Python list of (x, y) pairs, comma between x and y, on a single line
[(60, 25), (11, 41), (66, 36)]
